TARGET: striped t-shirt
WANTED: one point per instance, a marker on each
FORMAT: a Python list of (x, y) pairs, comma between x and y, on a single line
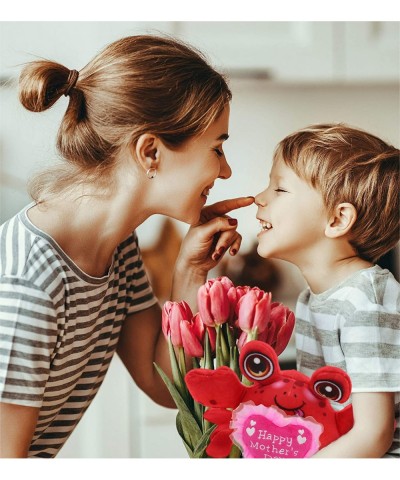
[(355, 326), (59, 327)]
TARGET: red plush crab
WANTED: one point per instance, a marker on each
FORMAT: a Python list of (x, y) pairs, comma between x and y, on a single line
[(290, 391)]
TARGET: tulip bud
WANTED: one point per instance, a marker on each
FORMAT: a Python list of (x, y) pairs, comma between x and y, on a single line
[(172, 315), (192, 336), (253, 310), (213, 301), (279, 329)]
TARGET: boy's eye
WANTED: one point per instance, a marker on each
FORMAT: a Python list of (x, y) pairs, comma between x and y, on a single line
[(218, 152), (280, 190)]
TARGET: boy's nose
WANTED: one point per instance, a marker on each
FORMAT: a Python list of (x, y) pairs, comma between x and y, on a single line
[(261, 199)]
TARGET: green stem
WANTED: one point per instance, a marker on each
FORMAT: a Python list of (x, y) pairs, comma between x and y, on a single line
[(234, 361), (182, 361), (218, 347), (253, 335), (208, 356)]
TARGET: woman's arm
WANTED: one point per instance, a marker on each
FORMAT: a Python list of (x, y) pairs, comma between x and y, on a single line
[(141, 343), (372, 433), (17, 426), (141, 340)]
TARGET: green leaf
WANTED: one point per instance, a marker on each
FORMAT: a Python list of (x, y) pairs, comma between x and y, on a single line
[(199, 451), (177, 374), (235, 452), (179, 428), (192, 431)]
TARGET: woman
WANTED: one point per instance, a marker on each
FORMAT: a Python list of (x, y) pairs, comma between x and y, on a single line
[(142, 135)]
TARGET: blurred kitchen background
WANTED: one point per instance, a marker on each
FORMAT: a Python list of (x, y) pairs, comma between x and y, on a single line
[(284, 76)]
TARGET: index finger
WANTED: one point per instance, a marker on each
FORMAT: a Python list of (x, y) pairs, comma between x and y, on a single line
[(225, 206)]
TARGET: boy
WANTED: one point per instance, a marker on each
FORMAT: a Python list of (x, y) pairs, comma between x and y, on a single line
[(332, 209)]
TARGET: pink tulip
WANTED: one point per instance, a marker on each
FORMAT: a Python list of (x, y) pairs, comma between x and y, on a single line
[(242, 340), (253, 310), (214, 302), (172, 315), (192, 336), (279, 328)]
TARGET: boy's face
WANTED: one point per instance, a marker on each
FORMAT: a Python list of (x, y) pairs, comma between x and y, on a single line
[(292, 217)]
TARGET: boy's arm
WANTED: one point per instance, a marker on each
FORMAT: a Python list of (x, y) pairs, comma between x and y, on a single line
[(372, 433)]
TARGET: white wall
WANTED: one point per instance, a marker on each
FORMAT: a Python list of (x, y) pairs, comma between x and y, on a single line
[(122, 422)]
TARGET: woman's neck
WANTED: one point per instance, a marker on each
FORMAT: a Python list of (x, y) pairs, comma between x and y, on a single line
[(88, 226)]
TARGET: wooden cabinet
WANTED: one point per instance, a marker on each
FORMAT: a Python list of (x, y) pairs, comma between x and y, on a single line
[(282, 51), (306, 52), (371, 51)]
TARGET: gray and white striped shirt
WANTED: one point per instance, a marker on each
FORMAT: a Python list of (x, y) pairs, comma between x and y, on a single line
[(59, 327), (355, 326)]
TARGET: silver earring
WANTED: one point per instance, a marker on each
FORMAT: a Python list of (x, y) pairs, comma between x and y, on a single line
[(151, 172)]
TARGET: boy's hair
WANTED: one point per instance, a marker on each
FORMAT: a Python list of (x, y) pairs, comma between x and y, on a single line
[(346, 164)]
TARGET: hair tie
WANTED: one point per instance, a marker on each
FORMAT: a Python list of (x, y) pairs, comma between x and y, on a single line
[(71, 81)]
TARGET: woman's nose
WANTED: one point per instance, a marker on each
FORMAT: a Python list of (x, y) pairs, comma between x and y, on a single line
[(225, 170)]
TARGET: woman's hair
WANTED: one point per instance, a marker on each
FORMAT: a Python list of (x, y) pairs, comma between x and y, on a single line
[(138, 84), (349, 165)]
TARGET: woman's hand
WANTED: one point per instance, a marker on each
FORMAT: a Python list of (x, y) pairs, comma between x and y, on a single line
[(205, 244)]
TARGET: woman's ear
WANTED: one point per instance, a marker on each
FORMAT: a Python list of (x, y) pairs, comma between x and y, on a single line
[(147, 151), (341, 221)]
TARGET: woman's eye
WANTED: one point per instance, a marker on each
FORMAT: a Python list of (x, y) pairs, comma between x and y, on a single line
[(218, 152)]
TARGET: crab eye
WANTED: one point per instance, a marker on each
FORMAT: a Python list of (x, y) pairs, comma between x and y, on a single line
[(328, 389), (258, 366)]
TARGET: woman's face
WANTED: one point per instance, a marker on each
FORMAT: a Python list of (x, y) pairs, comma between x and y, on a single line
[(187, 175)]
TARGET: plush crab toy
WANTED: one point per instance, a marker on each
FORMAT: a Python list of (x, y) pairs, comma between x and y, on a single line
[(283, 406)]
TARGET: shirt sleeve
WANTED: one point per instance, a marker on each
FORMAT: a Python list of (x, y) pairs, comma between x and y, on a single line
[(28, 336), (370, 340), (140, 292)]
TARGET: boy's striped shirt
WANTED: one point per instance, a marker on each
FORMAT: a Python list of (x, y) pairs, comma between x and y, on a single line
[(355, 326)]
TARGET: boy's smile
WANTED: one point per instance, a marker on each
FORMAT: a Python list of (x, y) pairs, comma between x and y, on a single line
[(265, 226)]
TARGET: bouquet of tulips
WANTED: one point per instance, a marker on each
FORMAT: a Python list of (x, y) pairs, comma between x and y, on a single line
[(228, 317)]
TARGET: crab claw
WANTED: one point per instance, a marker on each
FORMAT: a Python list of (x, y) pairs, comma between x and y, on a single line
[(215, 388)]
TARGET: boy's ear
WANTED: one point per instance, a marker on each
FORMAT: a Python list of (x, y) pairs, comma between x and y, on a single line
[(341, 221), (147, 151)]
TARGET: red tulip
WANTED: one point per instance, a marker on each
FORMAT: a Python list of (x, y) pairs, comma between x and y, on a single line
[(253, 310), (172, 315), (213, 301)]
